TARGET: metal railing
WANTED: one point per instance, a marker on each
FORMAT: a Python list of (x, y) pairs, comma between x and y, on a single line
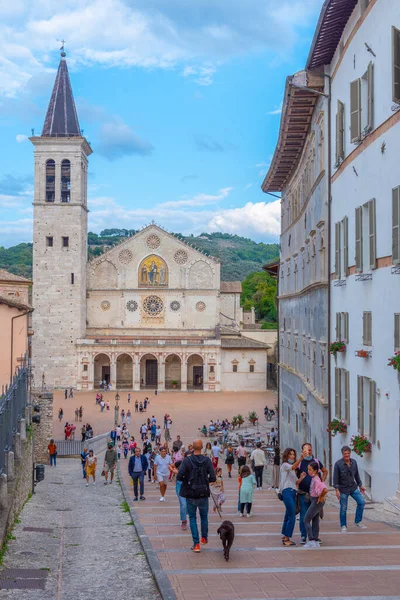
[(12, 409), (75, 447)]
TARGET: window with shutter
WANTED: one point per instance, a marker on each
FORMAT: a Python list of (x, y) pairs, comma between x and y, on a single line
[(345, 233), (370, 108), (372, 411), (338, 327), (339, 133), (372, 233), (396, 332), (359, 257), (367, 329), (396, 225), (345, 327), (355, 110), (337, 250), (396, 64), (338, 399), (360, 404), (347, 397)]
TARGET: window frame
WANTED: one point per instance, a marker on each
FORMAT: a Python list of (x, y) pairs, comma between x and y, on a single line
[(395, 65), (367, 328), (49, 241), (396, 225), (65, 241)]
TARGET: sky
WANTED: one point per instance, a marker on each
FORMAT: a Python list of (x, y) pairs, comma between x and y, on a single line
[(180, 100)]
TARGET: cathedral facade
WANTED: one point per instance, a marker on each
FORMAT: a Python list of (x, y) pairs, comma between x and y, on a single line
[(150, 313)]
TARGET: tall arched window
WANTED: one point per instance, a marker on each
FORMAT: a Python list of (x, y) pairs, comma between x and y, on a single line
[(50, 180), (65, 180)]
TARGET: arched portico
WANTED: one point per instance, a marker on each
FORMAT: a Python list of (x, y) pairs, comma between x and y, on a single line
[(173, 372), (148, 371), (102, 369), (195, 372), (124, 372)]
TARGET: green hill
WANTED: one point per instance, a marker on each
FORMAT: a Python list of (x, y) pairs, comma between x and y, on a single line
[(239, 256)]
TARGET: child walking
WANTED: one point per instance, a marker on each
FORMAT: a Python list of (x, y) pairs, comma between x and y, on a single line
[(246, 490), (217, 491), (318, 491)]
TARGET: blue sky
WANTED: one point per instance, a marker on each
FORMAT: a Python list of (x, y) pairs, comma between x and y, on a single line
[(180, 100)]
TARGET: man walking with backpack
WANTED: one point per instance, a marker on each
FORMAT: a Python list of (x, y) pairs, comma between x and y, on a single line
[(196, 473)]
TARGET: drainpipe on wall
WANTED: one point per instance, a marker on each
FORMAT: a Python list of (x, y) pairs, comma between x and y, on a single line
[(329, 169), (12, 338)]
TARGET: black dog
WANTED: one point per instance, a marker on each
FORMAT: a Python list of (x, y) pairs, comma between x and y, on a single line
[(227, 534)]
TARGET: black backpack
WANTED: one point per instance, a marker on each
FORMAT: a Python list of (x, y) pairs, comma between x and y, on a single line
[(198, 480)]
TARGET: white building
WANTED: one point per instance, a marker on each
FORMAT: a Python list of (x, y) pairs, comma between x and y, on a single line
[(359, 47), (149, 313)]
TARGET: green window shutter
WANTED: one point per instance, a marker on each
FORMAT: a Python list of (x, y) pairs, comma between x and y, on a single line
[(396, 225), (355, 110), (338, 400), (370, 73), (396, 332), (337, 251), (372, 411), (338, 327), (396, 64), (347, 397), (359, 261), (360, 404), (345, 225), (372, 233)]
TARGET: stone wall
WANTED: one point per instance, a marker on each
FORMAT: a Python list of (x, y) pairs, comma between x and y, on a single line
[(43, 431)]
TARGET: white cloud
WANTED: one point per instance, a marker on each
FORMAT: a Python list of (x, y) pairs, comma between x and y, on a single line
[(259, 217), (198, 200), (249, 185), (20, 137), (146, 33), (276, 111)]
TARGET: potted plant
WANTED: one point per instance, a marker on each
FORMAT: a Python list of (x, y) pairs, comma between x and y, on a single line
[(360, 444), (336, 347), (234, 422), (394, 361), (337, 426), (174, 383), (240, 420), (253, 417), (362, 353)]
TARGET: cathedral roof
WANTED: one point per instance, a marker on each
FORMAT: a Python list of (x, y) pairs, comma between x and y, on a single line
[(242, 342), (7, 276), (61, 118)]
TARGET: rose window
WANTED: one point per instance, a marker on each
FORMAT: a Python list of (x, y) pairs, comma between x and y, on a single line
[(153, 305), (132, 305), (153, 241), (180, 257), (105, 305), (175, 305), (125, 256), (200, 306)]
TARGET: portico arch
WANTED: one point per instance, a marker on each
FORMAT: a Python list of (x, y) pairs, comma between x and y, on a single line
[(102, 369), (195, 372), (124, 371), (173, 372), (148, 371)]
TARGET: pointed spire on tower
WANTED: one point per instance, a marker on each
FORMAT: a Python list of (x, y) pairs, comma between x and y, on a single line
[(61, 117)]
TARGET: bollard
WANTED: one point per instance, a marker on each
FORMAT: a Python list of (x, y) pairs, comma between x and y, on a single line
[(22, 430), (10, 466), (17, 446), (3, 491)]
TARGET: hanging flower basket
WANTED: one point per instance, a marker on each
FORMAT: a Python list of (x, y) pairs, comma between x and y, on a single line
[(336, 347), (362, 353), (360, 444), (394, 361), (337, 426)]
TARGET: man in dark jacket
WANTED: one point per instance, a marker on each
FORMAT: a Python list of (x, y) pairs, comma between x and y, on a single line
[(137, 469), (196, 473), (347, 482)]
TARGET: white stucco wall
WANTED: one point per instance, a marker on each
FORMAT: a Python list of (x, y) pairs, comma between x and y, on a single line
[(243, 379), (372, 174)]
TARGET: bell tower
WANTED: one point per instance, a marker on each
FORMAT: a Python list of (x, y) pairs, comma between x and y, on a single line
[(59, 238)]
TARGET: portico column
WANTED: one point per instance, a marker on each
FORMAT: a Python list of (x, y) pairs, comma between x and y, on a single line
[(184, 374), (218, 374), (161, 373), (205, 373), (136, 373), (91, 373), (113, 372)]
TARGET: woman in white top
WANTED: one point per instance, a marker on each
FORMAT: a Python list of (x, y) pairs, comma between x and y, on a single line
[(288, 489)]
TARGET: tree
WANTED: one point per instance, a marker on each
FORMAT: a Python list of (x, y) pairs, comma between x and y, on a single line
[(259, 290)]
